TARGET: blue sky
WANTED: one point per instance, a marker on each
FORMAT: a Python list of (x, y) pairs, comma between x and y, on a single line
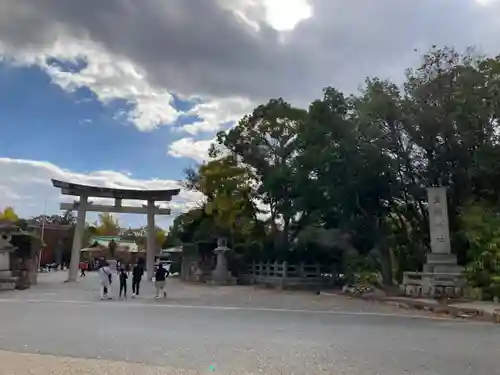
[(76, 131)]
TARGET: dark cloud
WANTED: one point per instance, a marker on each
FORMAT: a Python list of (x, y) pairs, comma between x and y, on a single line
[(197, 47)]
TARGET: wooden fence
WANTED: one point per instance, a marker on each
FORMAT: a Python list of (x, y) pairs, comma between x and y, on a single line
[(285, 275)]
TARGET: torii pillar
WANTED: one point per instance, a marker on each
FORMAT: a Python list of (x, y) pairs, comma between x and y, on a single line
[(151, 240), (77, 238)]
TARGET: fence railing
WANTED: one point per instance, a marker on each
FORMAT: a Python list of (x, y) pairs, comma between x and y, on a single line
[(285, 274), (284, 269)]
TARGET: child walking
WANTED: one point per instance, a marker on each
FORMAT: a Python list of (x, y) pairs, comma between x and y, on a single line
[(105, 275), (123, 282)]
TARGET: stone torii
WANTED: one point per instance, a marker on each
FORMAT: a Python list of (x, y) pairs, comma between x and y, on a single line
[(82, 206)]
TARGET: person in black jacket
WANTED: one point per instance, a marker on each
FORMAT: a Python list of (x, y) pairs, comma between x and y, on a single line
[(137, 273), (161, 275), (123, 283)]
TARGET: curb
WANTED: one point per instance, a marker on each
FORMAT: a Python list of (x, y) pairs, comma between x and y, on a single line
[(436, 308)]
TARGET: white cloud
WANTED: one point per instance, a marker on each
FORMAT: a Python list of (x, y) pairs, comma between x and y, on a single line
[(486, 2), (190, 148), (146, 51), (110, 77), (26, 185), (216, 113)]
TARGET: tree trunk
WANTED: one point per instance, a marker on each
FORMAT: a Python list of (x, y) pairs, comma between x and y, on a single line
[(386, 266), (385, 254)]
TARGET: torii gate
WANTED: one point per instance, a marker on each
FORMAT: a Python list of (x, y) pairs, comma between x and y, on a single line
[(83, 205)]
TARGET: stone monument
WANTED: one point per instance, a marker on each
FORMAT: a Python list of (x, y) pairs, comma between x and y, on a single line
[(7, 281), (221, 275), (441, 275), (440, 259)]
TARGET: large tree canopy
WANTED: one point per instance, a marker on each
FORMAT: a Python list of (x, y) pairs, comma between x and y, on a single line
[(350, 173)]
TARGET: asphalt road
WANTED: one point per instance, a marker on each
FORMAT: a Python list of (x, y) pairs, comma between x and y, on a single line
[(243, 330)]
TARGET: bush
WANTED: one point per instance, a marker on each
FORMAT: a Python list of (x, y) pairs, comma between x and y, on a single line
[(482, 230)]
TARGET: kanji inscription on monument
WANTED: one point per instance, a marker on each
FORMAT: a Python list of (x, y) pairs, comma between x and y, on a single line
[(438, 220)]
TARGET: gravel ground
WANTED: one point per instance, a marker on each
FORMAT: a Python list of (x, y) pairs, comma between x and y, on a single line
[(52, 288), (35, 364), (234, 330)]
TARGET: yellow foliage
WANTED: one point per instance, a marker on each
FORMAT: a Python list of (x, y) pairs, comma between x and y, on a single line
[(227, 186), (107, 225), (8, 214), (160, 237)]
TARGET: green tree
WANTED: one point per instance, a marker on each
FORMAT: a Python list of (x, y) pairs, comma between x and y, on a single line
[(451, 113), (481, 226), (351, 173), (66, 218), (352, 178), (265, 141)]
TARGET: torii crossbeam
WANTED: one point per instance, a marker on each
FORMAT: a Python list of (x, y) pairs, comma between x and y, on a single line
[(84, 192)]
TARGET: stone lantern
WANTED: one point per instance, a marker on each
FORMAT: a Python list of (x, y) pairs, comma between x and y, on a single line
[(221, 275), (7, 281)]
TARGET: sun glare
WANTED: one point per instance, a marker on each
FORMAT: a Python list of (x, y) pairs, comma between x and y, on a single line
[(284, 15)]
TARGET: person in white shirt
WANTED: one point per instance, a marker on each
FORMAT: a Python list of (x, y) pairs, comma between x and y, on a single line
[(105, 274)]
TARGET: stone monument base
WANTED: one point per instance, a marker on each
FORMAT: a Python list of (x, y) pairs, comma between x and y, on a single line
[(7, 281), (8, 284), (442, 263), (5, 274), (441, 277)]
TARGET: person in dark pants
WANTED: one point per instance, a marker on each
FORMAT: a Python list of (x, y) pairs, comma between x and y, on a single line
[(83, 267), (161, 275), (137, 273), (127, 268), (123, 283)]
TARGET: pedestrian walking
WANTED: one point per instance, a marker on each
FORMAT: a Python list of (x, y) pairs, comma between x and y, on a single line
[(106, 280), (123, 283), (161, 275), (83, 268), (137, 273)]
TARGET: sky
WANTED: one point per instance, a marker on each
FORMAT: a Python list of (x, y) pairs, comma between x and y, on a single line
[(125, 93)]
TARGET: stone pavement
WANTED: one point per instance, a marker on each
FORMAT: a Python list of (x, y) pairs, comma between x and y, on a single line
[(57, 328)]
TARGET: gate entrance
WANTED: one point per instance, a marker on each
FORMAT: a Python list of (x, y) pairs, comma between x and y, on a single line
[(83, 205)]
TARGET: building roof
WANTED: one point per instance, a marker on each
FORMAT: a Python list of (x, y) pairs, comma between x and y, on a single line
[(121, 245), (51, 226), (105, 238), (68, 188), (177, 249), (8, 226)]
